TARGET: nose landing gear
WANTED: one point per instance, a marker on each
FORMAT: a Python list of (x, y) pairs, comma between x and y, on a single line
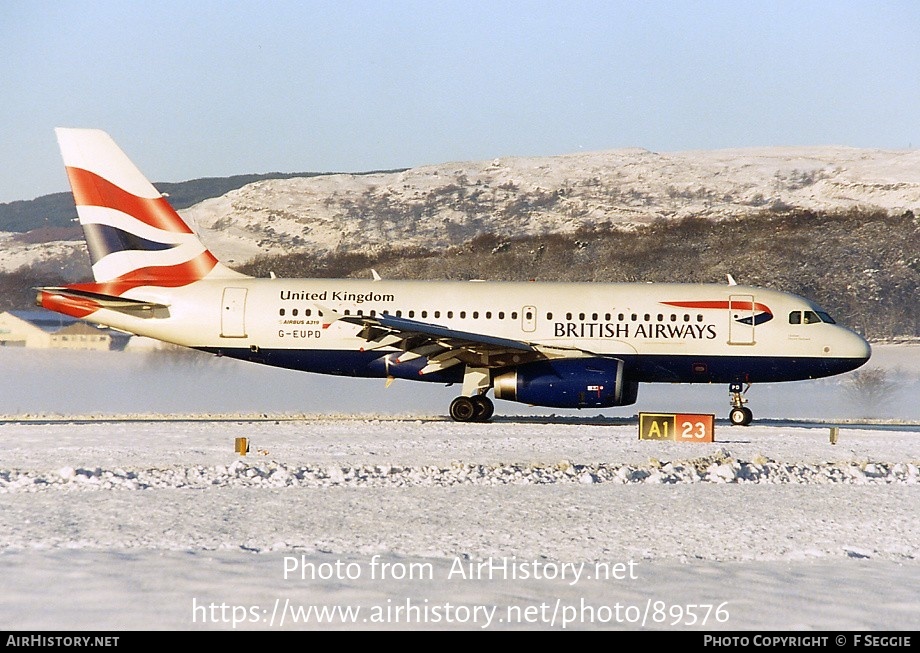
[(740, 415)]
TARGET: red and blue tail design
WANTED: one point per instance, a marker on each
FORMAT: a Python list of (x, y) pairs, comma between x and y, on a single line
[(135, 238)]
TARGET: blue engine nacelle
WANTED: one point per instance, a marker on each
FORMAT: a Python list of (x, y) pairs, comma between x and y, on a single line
[(568, 383)]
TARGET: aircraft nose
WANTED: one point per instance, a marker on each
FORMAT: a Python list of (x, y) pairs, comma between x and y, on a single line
[(861, 348), (855, 347)]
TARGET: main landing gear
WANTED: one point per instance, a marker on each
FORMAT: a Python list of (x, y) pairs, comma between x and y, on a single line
[(478, 408), (473, 405), (740, 415)]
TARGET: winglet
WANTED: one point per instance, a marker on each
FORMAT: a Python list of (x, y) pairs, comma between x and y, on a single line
[(731, 280), (329, 316)]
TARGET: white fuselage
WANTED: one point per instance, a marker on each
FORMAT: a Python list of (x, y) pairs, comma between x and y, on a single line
[(667, 332)]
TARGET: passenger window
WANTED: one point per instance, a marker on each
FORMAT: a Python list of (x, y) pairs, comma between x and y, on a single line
[(450, 315), (795, 317), (308, 312), (437, 314), (294, 312), (281, 312), (549, 316), (568, 316), (488, 315), (594, 317)]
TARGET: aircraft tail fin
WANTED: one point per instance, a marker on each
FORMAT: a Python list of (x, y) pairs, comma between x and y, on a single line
[(135, 238)]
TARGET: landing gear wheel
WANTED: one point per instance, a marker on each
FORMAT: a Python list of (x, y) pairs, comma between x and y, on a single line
[(484, 408), (741, 416), (463, 409)]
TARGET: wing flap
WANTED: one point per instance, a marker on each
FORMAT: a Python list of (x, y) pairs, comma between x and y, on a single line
[(407, 328), (437, 366), (441, 346), (444, 347)]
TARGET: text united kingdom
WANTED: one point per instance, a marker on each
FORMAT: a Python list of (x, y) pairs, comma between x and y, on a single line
[(337, 296)]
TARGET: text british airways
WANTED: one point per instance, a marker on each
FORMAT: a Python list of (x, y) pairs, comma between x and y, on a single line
[(621, 330)]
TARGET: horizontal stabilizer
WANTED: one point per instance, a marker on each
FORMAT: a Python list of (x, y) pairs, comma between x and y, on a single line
[(86, 301)]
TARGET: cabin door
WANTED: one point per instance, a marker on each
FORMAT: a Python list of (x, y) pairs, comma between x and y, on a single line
[(233, 313), (741, 320)]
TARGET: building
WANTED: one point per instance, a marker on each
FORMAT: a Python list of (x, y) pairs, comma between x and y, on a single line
[(42, 329), (31, 328), (81, 335)]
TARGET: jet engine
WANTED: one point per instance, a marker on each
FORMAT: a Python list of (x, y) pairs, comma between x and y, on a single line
[(568, 383)]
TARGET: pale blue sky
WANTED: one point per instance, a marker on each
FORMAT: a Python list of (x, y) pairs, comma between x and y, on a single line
[(199, 88)]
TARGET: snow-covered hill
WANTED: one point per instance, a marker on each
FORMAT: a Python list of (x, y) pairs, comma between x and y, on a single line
[(442, 205)]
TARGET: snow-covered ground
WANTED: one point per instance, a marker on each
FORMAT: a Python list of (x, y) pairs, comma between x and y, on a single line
[(394, 517)]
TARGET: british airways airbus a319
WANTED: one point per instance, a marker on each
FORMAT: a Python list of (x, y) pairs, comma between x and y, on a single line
[(560, 345)]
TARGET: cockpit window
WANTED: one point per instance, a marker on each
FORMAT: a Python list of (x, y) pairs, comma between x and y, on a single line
[(810, 317)]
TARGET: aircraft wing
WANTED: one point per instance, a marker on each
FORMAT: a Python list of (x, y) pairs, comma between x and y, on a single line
[(444, 347)]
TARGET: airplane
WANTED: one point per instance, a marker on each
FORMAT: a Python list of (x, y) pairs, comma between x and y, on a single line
[(558, 345)]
